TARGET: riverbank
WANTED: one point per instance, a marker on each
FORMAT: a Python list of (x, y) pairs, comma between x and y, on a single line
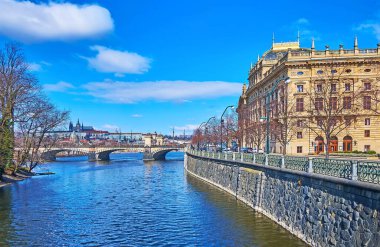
[(318, 209), (19, 176)]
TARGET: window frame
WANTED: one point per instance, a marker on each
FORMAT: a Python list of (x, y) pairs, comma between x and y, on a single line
[(299, 105), (347, 104), (367, 133)]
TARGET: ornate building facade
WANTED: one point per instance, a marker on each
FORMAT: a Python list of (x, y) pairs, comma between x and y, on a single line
[(309, 101)]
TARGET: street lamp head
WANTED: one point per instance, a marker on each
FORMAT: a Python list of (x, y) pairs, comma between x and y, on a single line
[(287, 80)]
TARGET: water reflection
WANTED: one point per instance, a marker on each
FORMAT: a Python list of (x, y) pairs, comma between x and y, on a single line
[(253, 227), (126, 202)]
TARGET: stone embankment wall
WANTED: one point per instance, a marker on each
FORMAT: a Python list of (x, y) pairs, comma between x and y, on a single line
[(320, 210)]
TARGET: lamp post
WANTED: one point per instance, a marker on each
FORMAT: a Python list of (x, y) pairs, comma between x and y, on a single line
[(206, 128), (268, 109), (221, 126), (200, 130)]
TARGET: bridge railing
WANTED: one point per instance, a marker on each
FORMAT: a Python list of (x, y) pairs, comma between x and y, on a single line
[(360, 170)]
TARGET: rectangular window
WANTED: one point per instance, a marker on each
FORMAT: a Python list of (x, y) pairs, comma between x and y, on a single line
[(367, 133), (299, 135), (346, 102), (347, 87), (333, 103), (299, 149), (319, 104), (299, 123), (299, 88), (367, 121), (333, 87), (367, 86), (367, 102), (367, 148), (319, 122), (299, 104), (319, 88)]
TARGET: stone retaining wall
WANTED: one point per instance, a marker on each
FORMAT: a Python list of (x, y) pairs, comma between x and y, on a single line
[(320, 210)]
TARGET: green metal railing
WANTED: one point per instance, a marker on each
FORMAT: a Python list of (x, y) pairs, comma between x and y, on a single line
[(296, 163), (260, 159), (332, 167), (369, 172), (274, 160), (364, 171)]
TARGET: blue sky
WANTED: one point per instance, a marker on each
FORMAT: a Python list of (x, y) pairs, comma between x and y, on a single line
[(152, 65)]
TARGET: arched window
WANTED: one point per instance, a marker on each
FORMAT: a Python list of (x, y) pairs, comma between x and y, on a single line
[(347, 144), (333, 145), (319, 145)]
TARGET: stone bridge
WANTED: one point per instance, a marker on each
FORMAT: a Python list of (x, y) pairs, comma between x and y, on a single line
[(103, 153)]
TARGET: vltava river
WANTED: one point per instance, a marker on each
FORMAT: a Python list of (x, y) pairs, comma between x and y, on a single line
[(126, 202)]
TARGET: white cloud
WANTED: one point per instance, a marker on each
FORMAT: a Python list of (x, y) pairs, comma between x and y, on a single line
[(30, 21), (304, 27), (58, 87), (302, 21), (187, 127), (136, 115), (372, 26), (111, 127), (118, 62), (34, 67), (177, 91)]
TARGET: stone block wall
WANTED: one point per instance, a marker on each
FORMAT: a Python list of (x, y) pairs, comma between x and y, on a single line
[(322, 211)]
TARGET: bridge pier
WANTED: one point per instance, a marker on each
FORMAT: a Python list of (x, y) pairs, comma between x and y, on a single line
[(49, 156), (148, 156), (102, 156)]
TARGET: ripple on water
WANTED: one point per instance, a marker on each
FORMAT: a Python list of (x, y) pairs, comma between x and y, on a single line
[(129, 203)]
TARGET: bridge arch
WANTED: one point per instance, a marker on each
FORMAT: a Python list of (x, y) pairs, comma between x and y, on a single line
[(51, 155), (102, 155), (161, 154)]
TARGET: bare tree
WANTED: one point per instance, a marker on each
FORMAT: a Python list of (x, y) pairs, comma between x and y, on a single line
[(334, 101), (284, 122), (34, 127), (230, 128), (197, 138), (16, 86)]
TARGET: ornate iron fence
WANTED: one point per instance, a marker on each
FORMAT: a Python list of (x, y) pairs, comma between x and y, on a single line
[(365, 171), (260, 159), (229, 156), (332, 167), (274, 160), (238, 156), (296, 163), (248, 158), (369, 172)]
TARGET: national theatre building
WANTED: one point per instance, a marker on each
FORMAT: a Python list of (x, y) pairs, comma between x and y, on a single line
[(304, 101)]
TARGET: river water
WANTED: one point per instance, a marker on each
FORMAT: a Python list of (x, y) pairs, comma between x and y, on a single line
[(126, 202)]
